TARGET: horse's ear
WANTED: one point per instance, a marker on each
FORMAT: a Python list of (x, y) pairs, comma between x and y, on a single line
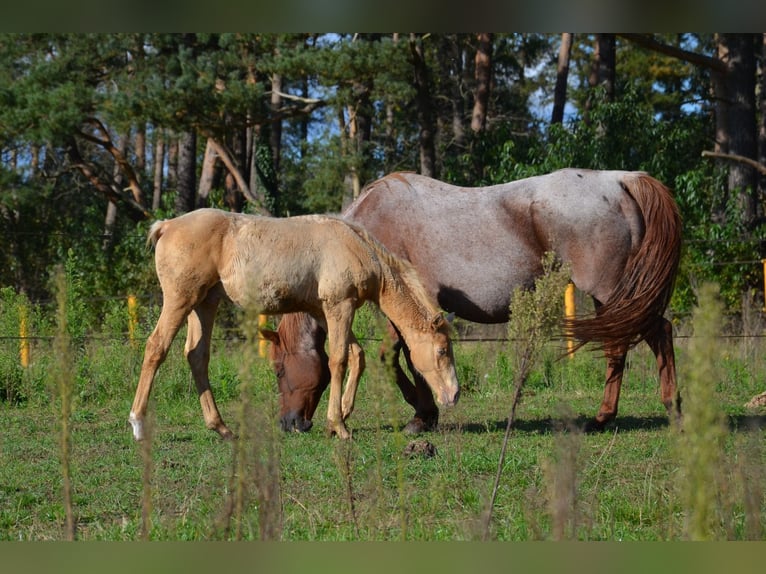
[(270, 335), (437, 322)]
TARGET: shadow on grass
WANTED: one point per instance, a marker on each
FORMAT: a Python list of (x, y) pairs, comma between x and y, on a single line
[(625, 423)]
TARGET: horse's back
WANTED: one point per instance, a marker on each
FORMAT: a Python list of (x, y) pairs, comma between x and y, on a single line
[(473, 246)]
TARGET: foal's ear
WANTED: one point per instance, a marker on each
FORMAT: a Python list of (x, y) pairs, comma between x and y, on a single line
[(270, 335), (437, 322)]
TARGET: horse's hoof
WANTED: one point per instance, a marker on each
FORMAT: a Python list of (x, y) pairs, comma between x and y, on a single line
[(338, 430), (225, 433), (419, 425), (595, 426)]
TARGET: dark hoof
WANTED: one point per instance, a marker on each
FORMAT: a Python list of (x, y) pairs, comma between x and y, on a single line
[(420, 425), (227, 435), (595, 426)]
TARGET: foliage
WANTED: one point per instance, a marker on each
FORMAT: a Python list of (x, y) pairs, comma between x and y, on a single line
[(95, 93)]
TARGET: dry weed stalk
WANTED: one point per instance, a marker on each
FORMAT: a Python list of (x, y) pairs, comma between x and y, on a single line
[(561, 477), (535, 316), (64, 381), (254, 462), (147, 471), (701, 449)]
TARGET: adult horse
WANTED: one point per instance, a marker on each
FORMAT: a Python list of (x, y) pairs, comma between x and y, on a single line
[(320, 265), (619, 232)]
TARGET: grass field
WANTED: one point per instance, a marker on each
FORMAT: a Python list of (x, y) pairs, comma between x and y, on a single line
[(635, 481)]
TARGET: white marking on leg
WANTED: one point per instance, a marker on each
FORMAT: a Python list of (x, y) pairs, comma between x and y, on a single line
[(138, 426)]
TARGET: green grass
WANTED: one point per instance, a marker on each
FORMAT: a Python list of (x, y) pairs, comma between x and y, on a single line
[(626, 483)]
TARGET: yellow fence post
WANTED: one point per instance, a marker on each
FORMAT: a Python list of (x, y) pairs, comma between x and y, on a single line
[(23, 337), (262, 342), (132, 319), (569, 311)]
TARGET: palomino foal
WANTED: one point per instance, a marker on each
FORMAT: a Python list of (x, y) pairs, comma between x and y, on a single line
[(320, 265)]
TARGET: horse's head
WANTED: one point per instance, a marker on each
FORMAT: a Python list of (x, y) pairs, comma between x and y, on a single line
[(302, 376), (431, 354)]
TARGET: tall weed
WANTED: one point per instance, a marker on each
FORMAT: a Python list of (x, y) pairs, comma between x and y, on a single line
[(535, 315), (701, 443)]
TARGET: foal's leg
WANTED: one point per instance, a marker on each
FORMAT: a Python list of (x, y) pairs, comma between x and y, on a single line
[(615, 365), (197, 350), (356, 364), (661, 343), (339, 319), (157, 345)]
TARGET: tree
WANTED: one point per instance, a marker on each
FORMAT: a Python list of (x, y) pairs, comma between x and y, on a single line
[(483, 72), (562, 77)]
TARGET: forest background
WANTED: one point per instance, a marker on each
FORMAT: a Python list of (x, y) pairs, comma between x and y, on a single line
[(100, 134)]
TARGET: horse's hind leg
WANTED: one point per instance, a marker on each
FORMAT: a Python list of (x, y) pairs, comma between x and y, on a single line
[(197, 350), (157, 345), (661, 343), (615, 366)]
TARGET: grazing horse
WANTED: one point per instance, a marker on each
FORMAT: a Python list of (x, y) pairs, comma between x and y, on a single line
[(320, 265), (619, 233)]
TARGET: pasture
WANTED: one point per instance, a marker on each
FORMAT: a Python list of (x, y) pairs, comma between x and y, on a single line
[(632, 482)]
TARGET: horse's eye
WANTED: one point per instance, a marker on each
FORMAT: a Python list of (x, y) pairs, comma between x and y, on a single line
[(442, 351)]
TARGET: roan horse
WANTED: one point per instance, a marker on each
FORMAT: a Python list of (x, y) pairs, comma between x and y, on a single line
[(320, 265), (619, 232)]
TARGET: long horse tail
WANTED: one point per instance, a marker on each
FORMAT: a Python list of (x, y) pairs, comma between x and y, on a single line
[(636, 305), (155, 232)]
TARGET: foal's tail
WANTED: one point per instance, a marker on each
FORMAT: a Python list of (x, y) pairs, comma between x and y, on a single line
[(155, 232), (635, 308)]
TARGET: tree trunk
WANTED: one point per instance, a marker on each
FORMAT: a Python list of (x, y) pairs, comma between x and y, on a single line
[(186, 178), (235, 193), (562, 77), (275, 135), (425, 108), (483, 76), (607, 63), (159, 165), (139, 144), (110, 220), (736, 119), (207, 175), (602, 71), (732, 78), (762, 126)]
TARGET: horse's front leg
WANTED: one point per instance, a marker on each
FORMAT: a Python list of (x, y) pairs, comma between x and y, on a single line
[(426, 412), (197, 350), (615, 365), (157, 346), (661, 343), (339, 318), (356, 364)]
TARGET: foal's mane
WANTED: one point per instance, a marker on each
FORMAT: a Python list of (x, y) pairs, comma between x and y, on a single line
[(403, 270)]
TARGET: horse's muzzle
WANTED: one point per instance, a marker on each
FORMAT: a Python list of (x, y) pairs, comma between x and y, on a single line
[(294, 421)]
